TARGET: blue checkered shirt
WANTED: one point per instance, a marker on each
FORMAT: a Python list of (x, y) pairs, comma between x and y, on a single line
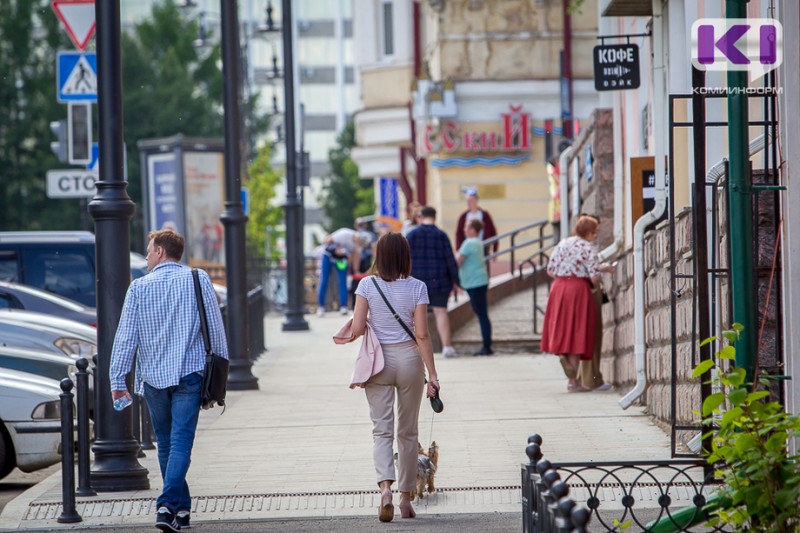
[(432, 259), (160, 319)]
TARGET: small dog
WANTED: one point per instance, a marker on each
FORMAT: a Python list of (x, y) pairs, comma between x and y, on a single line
[(426, 470)]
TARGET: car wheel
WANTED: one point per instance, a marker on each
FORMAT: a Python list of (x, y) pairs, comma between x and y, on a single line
[(7, 459)]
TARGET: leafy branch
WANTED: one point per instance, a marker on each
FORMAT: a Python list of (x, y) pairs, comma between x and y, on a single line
[(749, 447)]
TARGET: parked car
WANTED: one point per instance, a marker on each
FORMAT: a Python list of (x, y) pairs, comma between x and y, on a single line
[(138, 265), (26, 329), (16, 296), (30, 422), (62, 262), (57, 261), (37, 362)]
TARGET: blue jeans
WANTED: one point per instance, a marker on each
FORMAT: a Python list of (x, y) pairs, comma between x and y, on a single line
[(480, 304), (328, 263), (174, 411)]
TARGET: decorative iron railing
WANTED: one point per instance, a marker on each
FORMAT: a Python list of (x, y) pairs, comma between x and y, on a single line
[(650, 496)]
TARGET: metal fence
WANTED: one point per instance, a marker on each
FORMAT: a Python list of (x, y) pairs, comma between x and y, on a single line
[(651, 496), (255, 318)]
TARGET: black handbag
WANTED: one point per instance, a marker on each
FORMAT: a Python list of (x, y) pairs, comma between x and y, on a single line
[(436, 403), (215, 376)]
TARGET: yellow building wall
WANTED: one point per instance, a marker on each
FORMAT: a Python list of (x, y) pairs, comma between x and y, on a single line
[(386, 87), (513, 195)]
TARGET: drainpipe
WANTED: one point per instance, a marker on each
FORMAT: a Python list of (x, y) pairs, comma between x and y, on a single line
[(563, 171), (619, 186), (741, 211), (659, 125)]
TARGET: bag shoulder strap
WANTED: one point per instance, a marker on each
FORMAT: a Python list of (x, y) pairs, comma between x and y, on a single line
[(394, 313), (201, 307)]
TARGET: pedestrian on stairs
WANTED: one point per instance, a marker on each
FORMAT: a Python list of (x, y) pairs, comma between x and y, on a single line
[(474, 278)]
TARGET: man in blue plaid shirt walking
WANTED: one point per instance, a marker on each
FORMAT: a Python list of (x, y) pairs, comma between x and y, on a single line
[(160, 325), (433, 262)]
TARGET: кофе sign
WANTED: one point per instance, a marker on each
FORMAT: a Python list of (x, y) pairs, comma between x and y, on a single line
[(616, 67)]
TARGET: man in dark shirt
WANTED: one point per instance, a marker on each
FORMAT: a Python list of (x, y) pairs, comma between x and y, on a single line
[(433, 262)]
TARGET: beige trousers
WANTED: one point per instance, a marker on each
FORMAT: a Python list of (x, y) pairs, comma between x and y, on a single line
[(404, 374)]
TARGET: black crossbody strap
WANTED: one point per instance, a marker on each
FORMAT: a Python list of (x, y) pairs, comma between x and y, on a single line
[(201, 306), (394, 313)]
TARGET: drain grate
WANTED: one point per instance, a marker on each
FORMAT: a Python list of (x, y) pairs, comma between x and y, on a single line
[(340, 503)]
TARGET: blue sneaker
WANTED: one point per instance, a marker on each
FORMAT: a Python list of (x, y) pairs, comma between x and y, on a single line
[(165, 520), (183, 519)]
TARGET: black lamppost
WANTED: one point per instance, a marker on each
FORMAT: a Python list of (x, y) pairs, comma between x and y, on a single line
[(115, 467), (233, 218), (295, 261)]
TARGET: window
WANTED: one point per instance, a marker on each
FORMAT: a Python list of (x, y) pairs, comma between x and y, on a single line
[(8, 302), (69, 273), (8, 266), (387, 23)]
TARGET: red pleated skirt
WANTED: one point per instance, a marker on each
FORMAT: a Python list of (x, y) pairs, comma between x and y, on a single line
[(570, 319)]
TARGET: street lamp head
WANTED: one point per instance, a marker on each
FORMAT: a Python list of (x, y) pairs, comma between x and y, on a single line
[(268, 26), (184, 4)]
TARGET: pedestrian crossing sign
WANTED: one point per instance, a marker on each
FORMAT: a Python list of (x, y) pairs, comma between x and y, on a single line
[(76, 77)]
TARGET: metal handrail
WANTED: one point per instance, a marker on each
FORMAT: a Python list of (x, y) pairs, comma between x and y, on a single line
[(514, 246)]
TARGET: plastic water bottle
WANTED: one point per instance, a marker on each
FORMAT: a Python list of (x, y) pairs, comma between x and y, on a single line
[(122, 403)]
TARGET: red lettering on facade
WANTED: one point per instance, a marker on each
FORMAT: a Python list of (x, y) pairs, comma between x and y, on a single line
[(516, 131), (471, 141), (427, 139), (448, 140)]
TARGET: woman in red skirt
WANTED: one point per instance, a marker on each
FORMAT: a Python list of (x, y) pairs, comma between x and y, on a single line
[(571, 317)]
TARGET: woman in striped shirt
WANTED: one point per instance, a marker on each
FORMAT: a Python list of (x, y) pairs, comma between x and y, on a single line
[(407, 351)]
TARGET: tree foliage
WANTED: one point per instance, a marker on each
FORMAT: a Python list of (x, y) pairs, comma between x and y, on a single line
[(171, 87), (345, 196), (29, 38), (264, 216)]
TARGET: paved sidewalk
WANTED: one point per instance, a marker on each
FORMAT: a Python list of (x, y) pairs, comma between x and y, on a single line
[(300, 447)]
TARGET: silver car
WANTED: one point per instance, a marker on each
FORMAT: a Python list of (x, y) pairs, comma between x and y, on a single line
[(30, 422), (16, 296), (26, 329)]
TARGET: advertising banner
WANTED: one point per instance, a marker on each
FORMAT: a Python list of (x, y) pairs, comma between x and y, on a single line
[(204, 187), (164, 198)]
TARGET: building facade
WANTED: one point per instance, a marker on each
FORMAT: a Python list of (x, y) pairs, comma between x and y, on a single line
[(459, 95)]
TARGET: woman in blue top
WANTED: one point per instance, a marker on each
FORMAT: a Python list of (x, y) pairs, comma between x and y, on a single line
[(475, 280)]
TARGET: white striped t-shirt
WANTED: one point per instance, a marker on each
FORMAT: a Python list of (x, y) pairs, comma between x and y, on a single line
[(404, 295)]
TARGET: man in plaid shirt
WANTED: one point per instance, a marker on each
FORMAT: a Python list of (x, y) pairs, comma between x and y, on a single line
[(433, 262), (160, 324)]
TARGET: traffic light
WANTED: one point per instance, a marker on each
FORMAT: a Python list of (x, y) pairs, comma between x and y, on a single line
[(59, 147), (80, 133)]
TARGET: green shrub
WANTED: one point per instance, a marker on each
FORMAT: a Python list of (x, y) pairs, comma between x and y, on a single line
[(750, 449)]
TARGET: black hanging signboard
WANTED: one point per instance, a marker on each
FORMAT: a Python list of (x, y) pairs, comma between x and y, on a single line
[(616, 67)]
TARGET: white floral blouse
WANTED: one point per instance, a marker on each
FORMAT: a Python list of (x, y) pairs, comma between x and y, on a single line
[(574, 257)]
